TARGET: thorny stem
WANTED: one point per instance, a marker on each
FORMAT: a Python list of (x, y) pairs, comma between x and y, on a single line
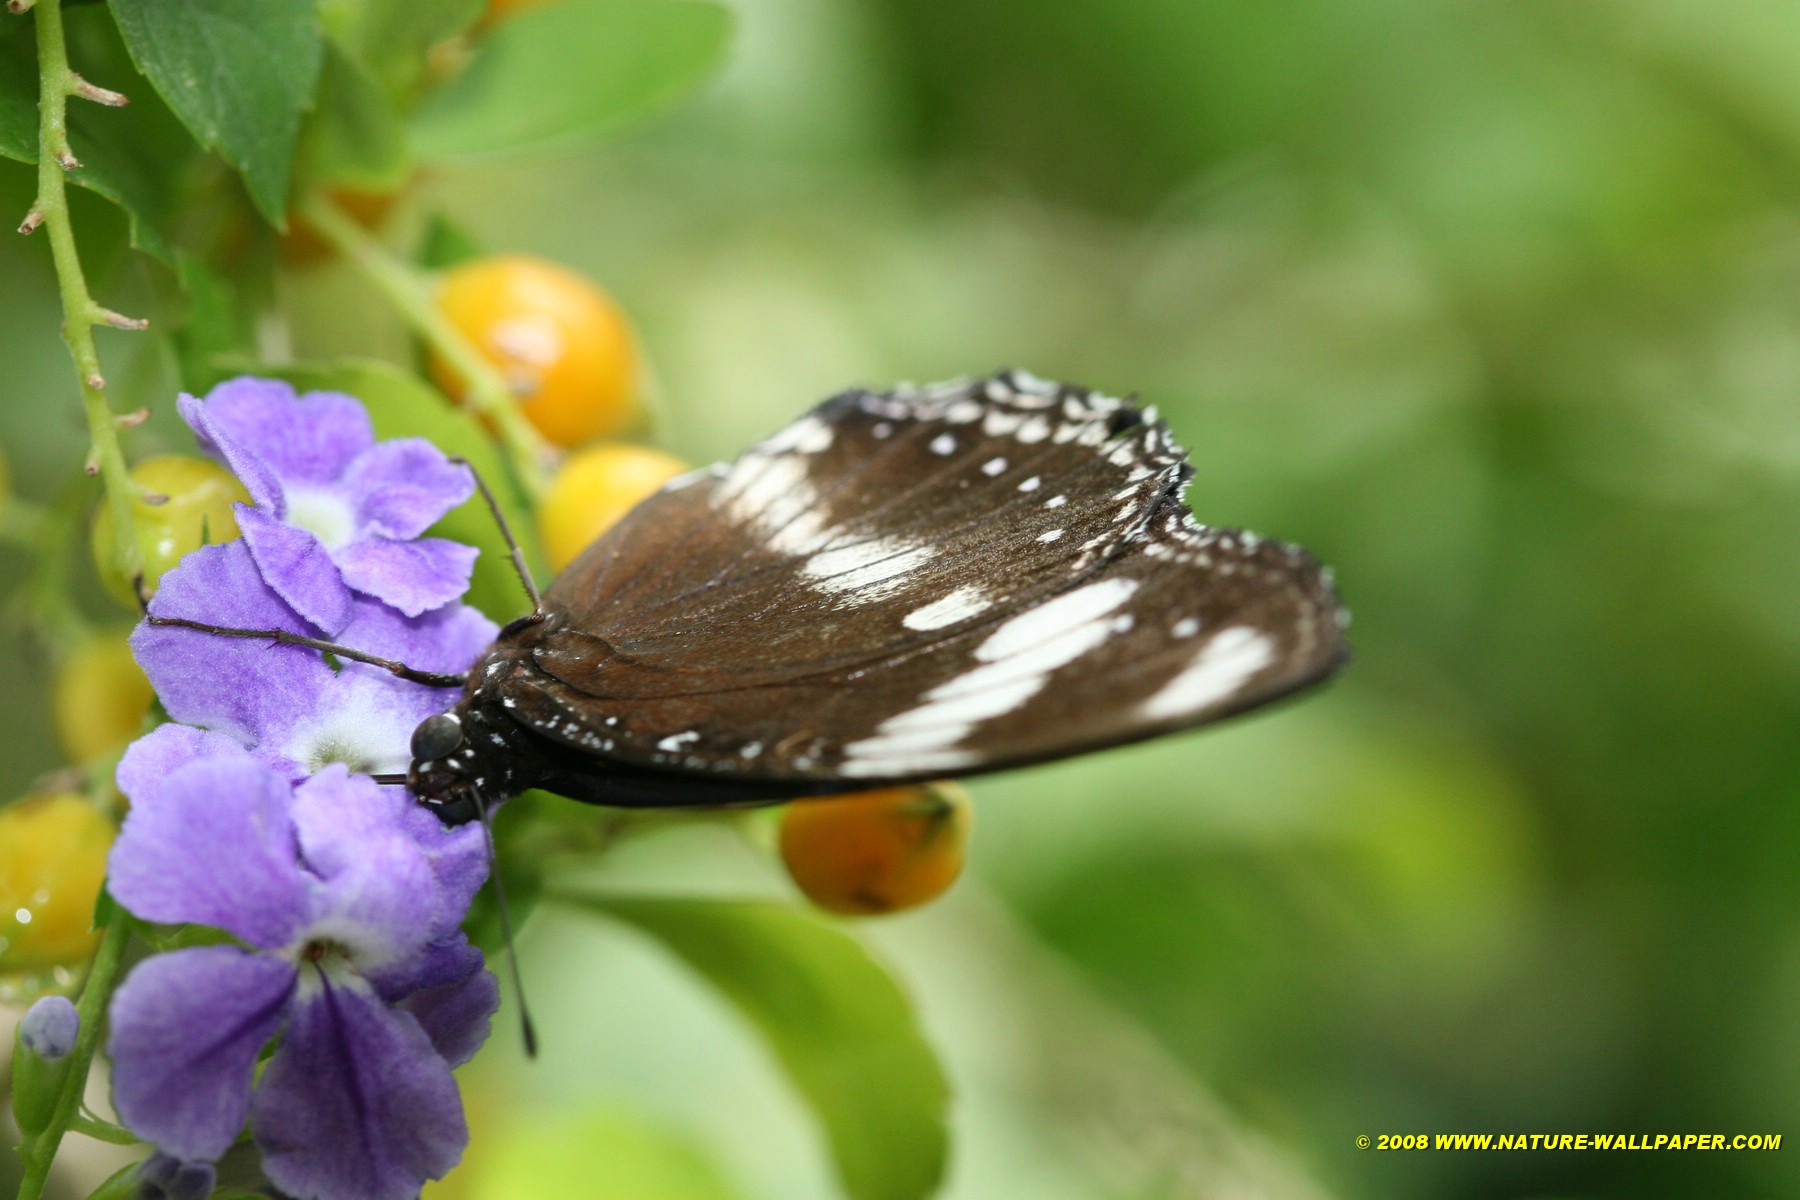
[(91, 1009), (487, 391), (56, 83)]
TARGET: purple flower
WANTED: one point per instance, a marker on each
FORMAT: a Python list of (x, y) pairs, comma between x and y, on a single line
[(345, 897), (286, 703), (337, 514)]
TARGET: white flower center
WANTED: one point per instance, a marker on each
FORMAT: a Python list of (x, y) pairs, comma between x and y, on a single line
[(325, 515), (365, 727), (331, 960)]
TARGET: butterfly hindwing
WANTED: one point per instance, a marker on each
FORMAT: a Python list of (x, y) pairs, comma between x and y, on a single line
[(922, 583)]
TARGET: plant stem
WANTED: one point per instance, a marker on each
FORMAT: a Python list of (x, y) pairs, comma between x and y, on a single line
[(487, 391), (103, 1131), (56, 83), (91, 1008)]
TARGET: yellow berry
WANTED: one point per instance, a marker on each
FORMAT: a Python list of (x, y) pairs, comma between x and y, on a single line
[(98, 696), (197, 511), (594, 488), (877, 852), (52, 862), (559, 341)]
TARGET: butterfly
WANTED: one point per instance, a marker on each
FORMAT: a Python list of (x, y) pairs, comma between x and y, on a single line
[(898, 586)]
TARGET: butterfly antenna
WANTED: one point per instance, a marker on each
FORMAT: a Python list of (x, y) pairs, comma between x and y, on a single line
[(526, 1029), (512, 543)]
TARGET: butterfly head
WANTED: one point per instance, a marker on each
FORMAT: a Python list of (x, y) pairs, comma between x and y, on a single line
[(449, 775)]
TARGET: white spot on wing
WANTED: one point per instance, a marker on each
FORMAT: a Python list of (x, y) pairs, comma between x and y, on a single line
[(993, 466), (1225, 663), (959, 605), (1030, 485), (808, 435), (857, 568), (943, 443), (1050, 535), (1019, 658)]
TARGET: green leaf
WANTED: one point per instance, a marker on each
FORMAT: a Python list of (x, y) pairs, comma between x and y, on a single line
[(571, 70), (354, 138), (238, 74), (105, 170), (605, 1152), (833, 1017), (402, 405)]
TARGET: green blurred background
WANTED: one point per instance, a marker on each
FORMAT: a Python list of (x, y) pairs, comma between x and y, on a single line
[(1494, 306)]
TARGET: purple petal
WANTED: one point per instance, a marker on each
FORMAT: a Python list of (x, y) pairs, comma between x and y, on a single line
[(447, 639), (159, 753), (452, 998), (237, 686), (257, 476), (356, 1103), (414, 577), (283, 702), (297, 567), (364, 716), (458, 858), (378, 898), (186, 1030), (401, 488), (214, 844), (263, 425)]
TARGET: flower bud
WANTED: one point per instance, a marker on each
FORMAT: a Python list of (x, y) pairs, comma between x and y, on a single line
[(49, 1028), (40, 1061)]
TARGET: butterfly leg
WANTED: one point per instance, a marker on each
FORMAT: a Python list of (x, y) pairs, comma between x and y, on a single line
[(518, 555), (411, 674)]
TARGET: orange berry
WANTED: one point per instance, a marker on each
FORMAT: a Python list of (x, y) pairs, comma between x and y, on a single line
[(877, 852), (52, 861), (594, 488), (197, 512), (562, 343), (98, 696)]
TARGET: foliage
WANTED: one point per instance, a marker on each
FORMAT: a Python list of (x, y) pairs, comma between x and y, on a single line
[(1491, 305)]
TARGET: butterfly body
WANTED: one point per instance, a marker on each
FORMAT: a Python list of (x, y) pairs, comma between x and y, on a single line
[(905, 585)]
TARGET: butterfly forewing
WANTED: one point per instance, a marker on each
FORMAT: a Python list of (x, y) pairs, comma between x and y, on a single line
[(920, 583), (872, 525)]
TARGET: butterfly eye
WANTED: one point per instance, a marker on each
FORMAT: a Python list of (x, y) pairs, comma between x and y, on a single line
[(436, 737)]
